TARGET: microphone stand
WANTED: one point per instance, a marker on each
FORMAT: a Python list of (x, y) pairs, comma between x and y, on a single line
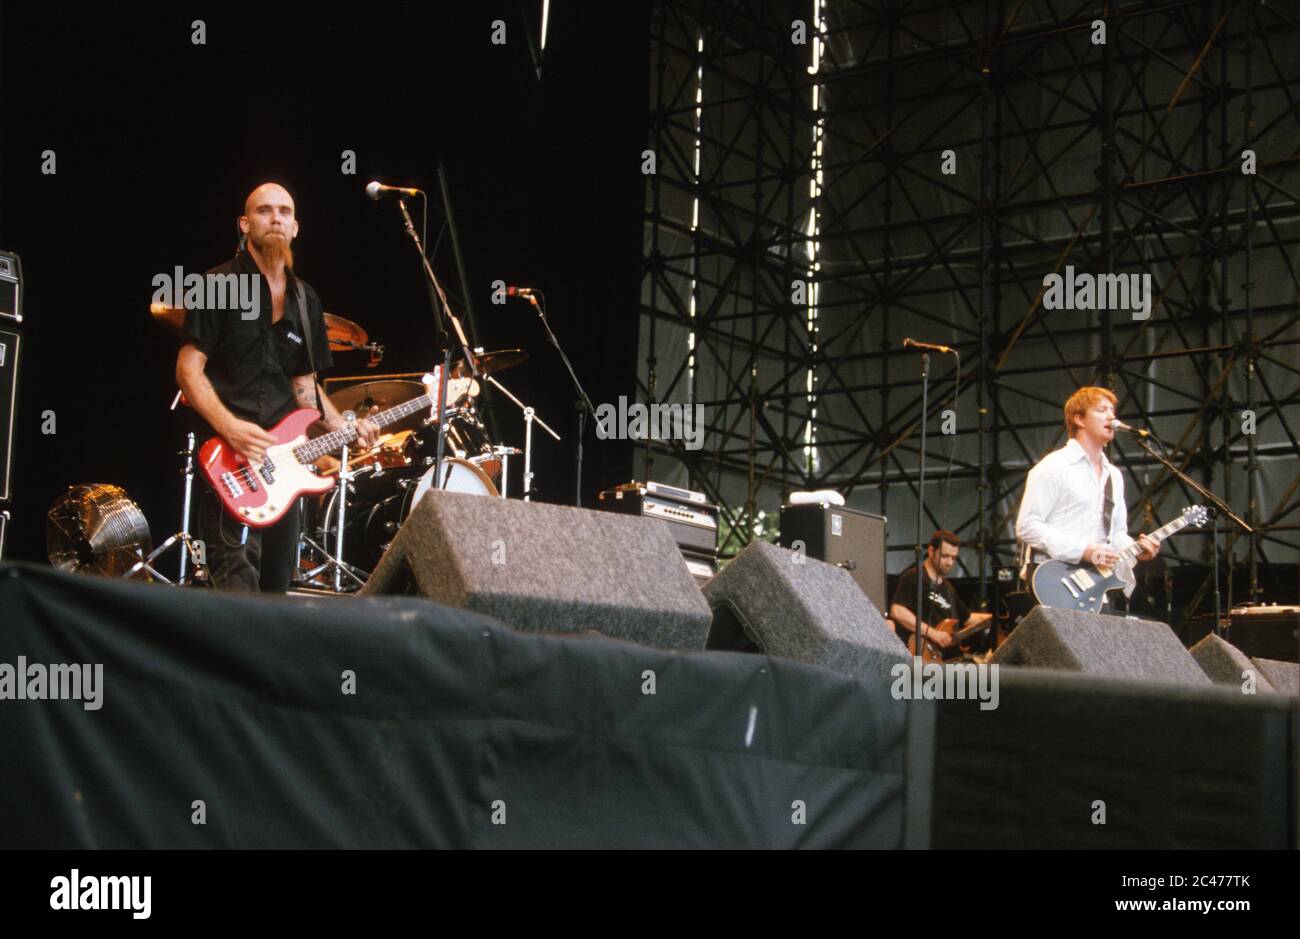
[(920, 510), (583, 404), (1214, 531), (441, 316)]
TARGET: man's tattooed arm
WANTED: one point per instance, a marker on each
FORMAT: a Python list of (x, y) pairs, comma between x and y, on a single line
[(304, 391)]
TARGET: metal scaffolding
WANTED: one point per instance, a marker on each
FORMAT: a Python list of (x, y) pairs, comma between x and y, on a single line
[(914, 169)]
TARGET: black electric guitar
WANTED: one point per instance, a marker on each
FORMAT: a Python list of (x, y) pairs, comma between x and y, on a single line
[(1084, 586)]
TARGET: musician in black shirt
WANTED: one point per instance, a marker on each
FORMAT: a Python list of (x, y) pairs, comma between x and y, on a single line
[(243, 374), (939, 600)]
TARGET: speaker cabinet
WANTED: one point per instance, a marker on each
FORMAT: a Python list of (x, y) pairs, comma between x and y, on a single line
[(1097, 644), (848, 538), (547, 568), (783, 603)]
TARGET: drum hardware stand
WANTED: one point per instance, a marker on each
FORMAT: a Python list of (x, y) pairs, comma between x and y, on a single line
[(335, 561), (505, 453), (189, 550), (375, 349), (529, 417), (528, 454), (188, 473)]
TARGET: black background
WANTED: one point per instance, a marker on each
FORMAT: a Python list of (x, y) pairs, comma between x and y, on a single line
[(158, 141)]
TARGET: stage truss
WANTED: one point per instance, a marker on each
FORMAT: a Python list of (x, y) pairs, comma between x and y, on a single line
[(800, 223)]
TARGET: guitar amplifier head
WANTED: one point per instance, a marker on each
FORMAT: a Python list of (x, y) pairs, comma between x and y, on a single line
[(11, 287), (693, 522)]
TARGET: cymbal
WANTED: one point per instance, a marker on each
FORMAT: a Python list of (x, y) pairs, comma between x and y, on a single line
[(370, 396), (170, 318), (489, 363), (343, 333)]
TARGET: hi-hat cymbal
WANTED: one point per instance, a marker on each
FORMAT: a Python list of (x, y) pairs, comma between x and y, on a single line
[(489, 363), (344, 334)]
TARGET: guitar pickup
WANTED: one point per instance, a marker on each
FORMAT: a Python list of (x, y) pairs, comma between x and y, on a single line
[(267, 471), (232, 485)]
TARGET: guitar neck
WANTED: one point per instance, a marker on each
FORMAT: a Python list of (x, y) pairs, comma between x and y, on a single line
[(313, 450), (1159, 535)]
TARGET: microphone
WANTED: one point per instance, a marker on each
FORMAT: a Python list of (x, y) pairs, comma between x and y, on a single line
[(1117, 424), (912, 343), (377, 190), (519, 291)]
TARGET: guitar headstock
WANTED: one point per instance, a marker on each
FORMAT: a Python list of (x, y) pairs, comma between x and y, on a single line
[(430, 381), (1196, 515)]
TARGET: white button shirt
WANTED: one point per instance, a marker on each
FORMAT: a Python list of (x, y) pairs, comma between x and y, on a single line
[(1060, 513)]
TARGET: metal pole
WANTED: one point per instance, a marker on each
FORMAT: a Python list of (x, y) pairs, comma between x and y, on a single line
[(185, 506), (920, 511), (528, 454), (1252, 355), (345, 477)]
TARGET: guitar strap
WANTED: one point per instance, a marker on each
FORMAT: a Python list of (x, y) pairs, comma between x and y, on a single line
[(304, 319), (1107, 505)]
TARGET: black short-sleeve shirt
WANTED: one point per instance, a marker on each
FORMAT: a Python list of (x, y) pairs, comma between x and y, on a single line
[(938, 601), (252, 362)]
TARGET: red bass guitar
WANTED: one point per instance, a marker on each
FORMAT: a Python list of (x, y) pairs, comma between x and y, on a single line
[(258, 494)]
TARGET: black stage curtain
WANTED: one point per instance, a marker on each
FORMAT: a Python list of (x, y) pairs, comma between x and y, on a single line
[(461, 732)]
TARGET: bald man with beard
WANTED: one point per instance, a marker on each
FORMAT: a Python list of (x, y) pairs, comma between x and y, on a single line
[(243, 376)]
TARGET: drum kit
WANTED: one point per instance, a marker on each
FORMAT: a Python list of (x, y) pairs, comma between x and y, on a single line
[(346, 529)]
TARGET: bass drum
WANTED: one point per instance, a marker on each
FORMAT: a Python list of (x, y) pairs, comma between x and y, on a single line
[(382, 521), (457, 476)]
